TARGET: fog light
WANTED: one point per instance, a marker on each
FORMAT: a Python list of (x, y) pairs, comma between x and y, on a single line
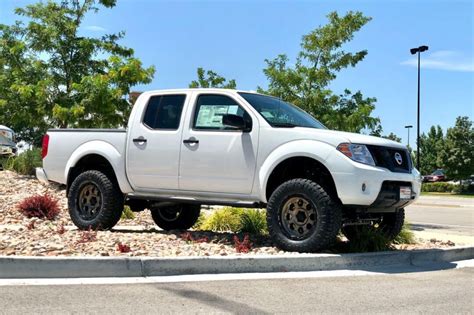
[(363, 187)]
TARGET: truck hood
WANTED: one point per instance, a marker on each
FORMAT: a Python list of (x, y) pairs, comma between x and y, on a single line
[(334, 138)]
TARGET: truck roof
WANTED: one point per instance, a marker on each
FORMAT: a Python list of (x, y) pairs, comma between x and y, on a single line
[(199, 89)]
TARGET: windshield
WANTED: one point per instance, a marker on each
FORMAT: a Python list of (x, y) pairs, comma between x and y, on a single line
[(279, 113)]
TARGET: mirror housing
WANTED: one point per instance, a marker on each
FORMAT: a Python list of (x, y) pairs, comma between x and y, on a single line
[(235, 121)]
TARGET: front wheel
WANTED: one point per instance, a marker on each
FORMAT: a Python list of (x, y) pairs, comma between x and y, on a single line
[(95, 201), (390, 225), (176, 217), (302, 216)]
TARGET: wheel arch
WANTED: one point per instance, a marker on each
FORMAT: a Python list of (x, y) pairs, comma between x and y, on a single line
[(298, 159), (101, 156)]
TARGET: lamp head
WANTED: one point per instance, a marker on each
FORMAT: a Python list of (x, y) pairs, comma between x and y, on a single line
[(419, 49)]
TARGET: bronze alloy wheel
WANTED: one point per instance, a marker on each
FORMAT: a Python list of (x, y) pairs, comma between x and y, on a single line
[(298, 217), (89, 201)]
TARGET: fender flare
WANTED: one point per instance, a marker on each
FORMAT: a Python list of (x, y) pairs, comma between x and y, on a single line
[(313, 149), (108, 152)]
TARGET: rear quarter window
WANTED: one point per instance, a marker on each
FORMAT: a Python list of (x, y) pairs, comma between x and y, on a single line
[(164, 112)]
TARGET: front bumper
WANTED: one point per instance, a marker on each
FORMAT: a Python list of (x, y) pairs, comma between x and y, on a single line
[(351, 177), (41, 175)]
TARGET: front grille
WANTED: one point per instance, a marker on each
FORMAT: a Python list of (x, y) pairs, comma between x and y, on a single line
[(386, 157)]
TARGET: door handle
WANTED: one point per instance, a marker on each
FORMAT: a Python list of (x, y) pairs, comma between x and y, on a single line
[(139, 140), (191, 141)]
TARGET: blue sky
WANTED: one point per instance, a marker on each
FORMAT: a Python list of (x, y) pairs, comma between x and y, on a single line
[(234, 38)]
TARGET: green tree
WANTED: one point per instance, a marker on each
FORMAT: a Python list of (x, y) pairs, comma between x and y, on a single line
[(210, 79), (52, 76), (393, 137), (458, 153), (431, 148), (306, 84)]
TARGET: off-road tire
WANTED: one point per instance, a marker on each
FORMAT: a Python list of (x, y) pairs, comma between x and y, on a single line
[(328, 216), (390, 226), (112, 201), (176, 217)]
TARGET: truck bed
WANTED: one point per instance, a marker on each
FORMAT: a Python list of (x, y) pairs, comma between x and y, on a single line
[(65, 143)]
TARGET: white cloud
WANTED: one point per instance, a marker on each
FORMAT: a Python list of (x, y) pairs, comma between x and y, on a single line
[(95, 28), (449, 60)]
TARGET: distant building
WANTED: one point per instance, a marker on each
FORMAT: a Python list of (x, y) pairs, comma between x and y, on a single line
[(132, 97)]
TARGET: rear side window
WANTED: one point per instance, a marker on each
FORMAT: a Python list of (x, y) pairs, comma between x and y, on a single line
[(210, 108), (164, 111)]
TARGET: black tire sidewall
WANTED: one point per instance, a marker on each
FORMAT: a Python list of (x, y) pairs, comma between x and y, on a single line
[(328, 216), (111, 202), (188, 216)]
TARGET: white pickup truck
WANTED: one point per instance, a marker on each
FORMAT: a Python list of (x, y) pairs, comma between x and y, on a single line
[(185, 148)]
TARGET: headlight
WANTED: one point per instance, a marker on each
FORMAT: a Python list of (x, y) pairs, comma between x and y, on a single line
[(356, 152)]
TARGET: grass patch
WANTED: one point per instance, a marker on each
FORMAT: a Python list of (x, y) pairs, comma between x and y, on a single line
[(254, 221), (236, 220)]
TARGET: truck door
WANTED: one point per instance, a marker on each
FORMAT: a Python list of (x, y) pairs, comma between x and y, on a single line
[(215, 158), (154, 143)]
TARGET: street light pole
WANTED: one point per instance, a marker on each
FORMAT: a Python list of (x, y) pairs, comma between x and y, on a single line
[(408, 128), (414, 51)]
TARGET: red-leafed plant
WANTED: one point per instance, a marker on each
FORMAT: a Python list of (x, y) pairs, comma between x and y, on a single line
[(61, 229), (88, 236), (31, 225), (123, 248), (187, 237), (243, 246), (40, 206), (204, 239)]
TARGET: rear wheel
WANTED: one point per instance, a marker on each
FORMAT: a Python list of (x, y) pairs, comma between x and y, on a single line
[(390, 226), (176, 217), (95, 201), (302, 216)]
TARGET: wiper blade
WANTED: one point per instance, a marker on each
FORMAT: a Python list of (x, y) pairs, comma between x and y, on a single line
[(284, 125)]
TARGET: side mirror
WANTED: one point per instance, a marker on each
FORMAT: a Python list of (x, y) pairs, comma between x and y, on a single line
[(234, 121)]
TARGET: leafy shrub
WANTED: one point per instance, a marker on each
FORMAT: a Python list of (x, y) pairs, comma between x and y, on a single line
[(447, 188), (368, 239), (40, 206), (24, 163), (253, 221), (200, 221), (229, 219), (127, 214), (3, 162), (464, 189), (223, 220), (406, 236), (437, 187)]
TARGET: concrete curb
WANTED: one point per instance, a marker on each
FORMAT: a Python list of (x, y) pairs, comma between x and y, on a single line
[(89, 267)]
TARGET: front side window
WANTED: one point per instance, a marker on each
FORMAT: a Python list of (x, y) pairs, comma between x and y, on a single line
[(164, 112), (210, 109), (279, 113)]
